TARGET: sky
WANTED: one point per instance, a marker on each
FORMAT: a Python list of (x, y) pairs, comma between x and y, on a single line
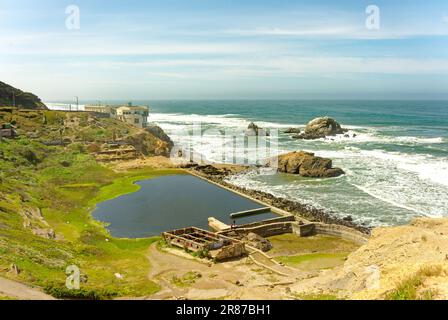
[(210, 49)]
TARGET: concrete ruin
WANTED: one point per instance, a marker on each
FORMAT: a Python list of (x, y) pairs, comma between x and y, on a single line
[(212, 245)]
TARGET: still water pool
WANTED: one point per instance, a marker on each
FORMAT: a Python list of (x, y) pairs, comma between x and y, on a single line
[(172, 202)]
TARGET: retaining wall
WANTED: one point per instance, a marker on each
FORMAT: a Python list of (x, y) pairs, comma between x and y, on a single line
[(341, 232)]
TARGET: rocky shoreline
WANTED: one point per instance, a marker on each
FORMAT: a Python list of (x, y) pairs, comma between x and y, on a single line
[(220, 174)]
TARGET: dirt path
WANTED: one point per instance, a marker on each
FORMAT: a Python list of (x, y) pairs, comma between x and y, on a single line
[(17, 290)]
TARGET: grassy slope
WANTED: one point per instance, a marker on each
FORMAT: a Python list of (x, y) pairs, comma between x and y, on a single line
[(66, 184)]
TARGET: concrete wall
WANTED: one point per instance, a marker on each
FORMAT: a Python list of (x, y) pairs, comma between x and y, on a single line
[(267, 221), (339, 231), (272, 228), (303, 230), (266, 230)]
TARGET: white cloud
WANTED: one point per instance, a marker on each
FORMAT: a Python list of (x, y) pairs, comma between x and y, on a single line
[(85, 44), (275, 65), (349, 32), (303, 32)]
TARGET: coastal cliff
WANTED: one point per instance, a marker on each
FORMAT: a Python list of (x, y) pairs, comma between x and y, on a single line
[(10, 96), (408, 262)]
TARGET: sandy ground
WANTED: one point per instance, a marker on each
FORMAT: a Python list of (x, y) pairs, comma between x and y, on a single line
[(161, 162), (158, 162), (392, 255), (17, 290), (240, 279)]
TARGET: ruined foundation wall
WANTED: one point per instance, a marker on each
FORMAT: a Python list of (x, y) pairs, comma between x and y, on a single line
[(341, 232)]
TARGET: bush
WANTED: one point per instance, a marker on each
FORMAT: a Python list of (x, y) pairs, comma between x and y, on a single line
[(61, 292), (93, 148), (30, 156)]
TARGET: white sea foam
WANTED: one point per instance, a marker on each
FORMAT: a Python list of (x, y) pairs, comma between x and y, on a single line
[(64, 106), (425, 166), (226, 120)]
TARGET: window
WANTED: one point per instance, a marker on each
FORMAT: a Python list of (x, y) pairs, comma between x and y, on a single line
[(136, 121)]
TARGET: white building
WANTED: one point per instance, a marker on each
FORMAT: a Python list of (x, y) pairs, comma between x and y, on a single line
[(135, 115)]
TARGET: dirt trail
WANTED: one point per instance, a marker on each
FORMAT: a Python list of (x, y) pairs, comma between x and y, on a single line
[(17, 290), (269, 263)]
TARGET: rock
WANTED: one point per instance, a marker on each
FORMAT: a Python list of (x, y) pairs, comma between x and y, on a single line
[(148, 144), (254, 130), (189, 165), (211, 170), (307, 164), (44, 233), (159, 133), (14, 269), (257, 241), (84, 278), (65, 163), (292, 130), (118, 276), (10, 95), (321, 128)]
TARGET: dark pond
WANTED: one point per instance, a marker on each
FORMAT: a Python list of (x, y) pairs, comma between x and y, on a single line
[(172, 202)]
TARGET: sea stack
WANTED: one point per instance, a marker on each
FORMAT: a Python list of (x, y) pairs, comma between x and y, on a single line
[(254, 130), (306, 164), (321, 128)]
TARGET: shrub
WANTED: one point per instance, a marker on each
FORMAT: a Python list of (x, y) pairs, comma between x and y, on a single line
[(406, 290), (30, 156), (93, 148), (61, 292)]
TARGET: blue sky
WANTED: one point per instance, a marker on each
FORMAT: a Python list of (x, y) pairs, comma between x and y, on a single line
[(209, 49)]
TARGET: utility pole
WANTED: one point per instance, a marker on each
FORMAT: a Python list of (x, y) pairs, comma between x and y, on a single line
[(13, 99)]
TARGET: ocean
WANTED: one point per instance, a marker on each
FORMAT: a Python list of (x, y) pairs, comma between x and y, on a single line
[(395, 158)]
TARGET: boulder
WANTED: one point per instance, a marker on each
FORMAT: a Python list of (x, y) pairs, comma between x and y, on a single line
[(257, 241), (307, 164), (320, 128)]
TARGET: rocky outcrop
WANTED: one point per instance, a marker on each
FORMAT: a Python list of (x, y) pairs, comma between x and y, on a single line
[(292, 131), (25, 100), (159, 133), (148, 144), (207, 169), (33, 220), (321, 128), (307, 164), (400, 262), (254, 130)]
